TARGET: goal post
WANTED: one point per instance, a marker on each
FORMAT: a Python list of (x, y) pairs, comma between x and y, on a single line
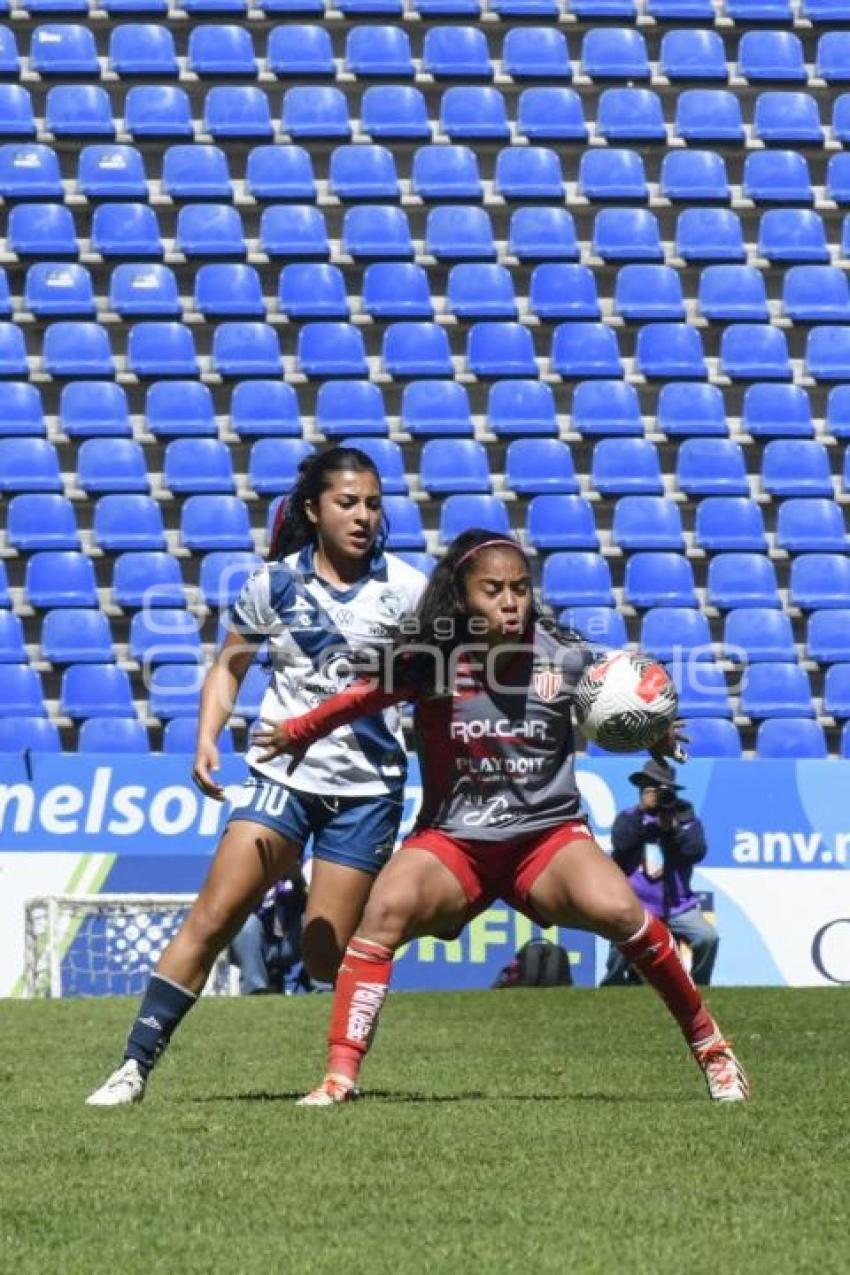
[(105, 944)]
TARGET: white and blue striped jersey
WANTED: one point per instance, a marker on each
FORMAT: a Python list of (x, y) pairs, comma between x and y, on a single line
[(312, 628)]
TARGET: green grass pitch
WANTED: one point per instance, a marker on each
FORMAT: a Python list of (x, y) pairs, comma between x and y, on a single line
[(522, 1131)]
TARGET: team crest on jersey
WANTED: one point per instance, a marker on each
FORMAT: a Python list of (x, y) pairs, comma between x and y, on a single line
[(390, 605), (547, 683)]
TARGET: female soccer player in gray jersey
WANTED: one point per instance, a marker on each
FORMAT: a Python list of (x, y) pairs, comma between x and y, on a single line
[(501, 814), (327, 591)]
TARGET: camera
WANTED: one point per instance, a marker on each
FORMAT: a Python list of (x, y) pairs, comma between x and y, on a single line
[(666, 799)]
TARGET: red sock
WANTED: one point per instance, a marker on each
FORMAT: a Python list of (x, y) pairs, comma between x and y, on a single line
[(361, 989), (654, 954)]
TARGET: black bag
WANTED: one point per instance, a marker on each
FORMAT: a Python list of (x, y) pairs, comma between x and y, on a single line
[(538, 963)]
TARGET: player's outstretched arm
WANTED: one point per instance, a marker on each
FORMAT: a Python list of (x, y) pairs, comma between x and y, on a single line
[(295, 736)]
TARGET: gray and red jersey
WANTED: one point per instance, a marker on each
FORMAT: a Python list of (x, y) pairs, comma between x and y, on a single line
[(497, 755)]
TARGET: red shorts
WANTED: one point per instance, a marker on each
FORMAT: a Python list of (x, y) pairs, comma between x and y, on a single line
[(488, 870)]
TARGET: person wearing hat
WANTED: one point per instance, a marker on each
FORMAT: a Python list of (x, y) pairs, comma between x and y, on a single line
[(656, 844)]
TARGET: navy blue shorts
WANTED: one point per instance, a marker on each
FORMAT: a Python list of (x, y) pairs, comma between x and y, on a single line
[(358, 832)]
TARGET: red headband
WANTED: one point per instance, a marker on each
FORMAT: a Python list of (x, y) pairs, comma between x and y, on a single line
[(488, 544)]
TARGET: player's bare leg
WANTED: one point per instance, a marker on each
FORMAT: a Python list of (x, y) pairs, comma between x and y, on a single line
[(414, 894), (335, 903), (249, 859), (583, 888)]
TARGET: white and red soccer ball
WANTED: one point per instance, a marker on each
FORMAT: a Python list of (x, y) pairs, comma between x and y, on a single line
[(625, 702)]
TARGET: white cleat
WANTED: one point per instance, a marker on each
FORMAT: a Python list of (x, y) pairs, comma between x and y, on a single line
[(726, 1079), (124, 1086), (331, 1092)]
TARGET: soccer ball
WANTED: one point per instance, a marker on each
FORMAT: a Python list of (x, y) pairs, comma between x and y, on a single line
[(625, 702)]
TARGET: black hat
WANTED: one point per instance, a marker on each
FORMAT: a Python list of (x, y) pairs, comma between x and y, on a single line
[(655, 774)]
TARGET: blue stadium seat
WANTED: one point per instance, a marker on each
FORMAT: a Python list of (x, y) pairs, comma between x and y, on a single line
[(161, 349), (473, 111), (448, 8), (521, 407), (21, 411), (376, 231), (549, 113), (819, 580), (712, 737), (711, 467), (792, 234), (300, 49), (536, 53), (194, 465), (147, 579), (542, 234), (670, 351), (205, 8), (644, 292), (221, 50), (777, 411), (562, 291), (602, 625), (794, 467), (530, 172), (165, 635), (180, 733), (9, 62), (350, 407), (127, 522), (790, 737), (144, 291), (457, 51), (90, 409), (730, 523), (394, 111), (585, 350), (460, 513), (5, 596), (29, 734), (378, 50), (125, 230), (783, 116), (693, 55), (63, 48), (388, 458), (535, 466), (577, 578), (478, 291), (709, 115), (754, 352), (832, 62), (648, 522), (363, 172), (295, 231), (215, 522), (631, 115), (674, 632), (733, 294), (741, 580), (177, 408), (174, 690), (405, 523), (12, 647), (561, 521), (456, 232), (809, 524), (626, 466), (779, 177), (454, 465), (436, 408), (29, 464), (315, 111), (659, 580), (223, 289), (838, 178), (13, 352), (710, 234), (828, 636), (702, 689), (41, 520), (500, 349), (614, 53), (60, 579), (690, 176), (110, 735), (416, 349), (111, 465), (604, 408), (20, 697), (395, 290), (41, 230), (157, 110), (776, 690), (772, 56), (828, 353), (816, 294), (111, 172), (627, 234), (279, 172), (237, 112), (195, 172), (836, 698), (76, 635), (752, 635), (143, 48), (312, 291), (246, 349), (29, 171), (759, 10), (446, 172), (612, 174), (331, 349), (223, 575), (841, 118), (5, 296), (78, 110)]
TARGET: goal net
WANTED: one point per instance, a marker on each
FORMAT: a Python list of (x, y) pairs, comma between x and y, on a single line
[(105, 944)]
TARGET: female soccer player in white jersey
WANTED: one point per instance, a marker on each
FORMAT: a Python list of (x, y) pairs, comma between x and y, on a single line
[(327, 591), (501, 813)]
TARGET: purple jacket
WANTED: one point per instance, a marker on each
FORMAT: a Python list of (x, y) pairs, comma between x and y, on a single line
[(680, 848)]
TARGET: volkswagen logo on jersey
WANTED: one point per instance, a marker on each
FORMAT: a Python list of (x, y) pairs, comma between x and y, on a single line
[(547, 683)]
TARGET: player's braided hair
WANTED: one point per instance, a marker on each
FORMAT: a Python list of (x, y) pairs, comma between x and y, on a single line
[(292, 529)]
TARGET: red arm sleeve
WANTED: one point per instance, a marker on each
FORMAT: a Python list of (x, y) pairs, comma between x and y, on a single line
[(361, 699)]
